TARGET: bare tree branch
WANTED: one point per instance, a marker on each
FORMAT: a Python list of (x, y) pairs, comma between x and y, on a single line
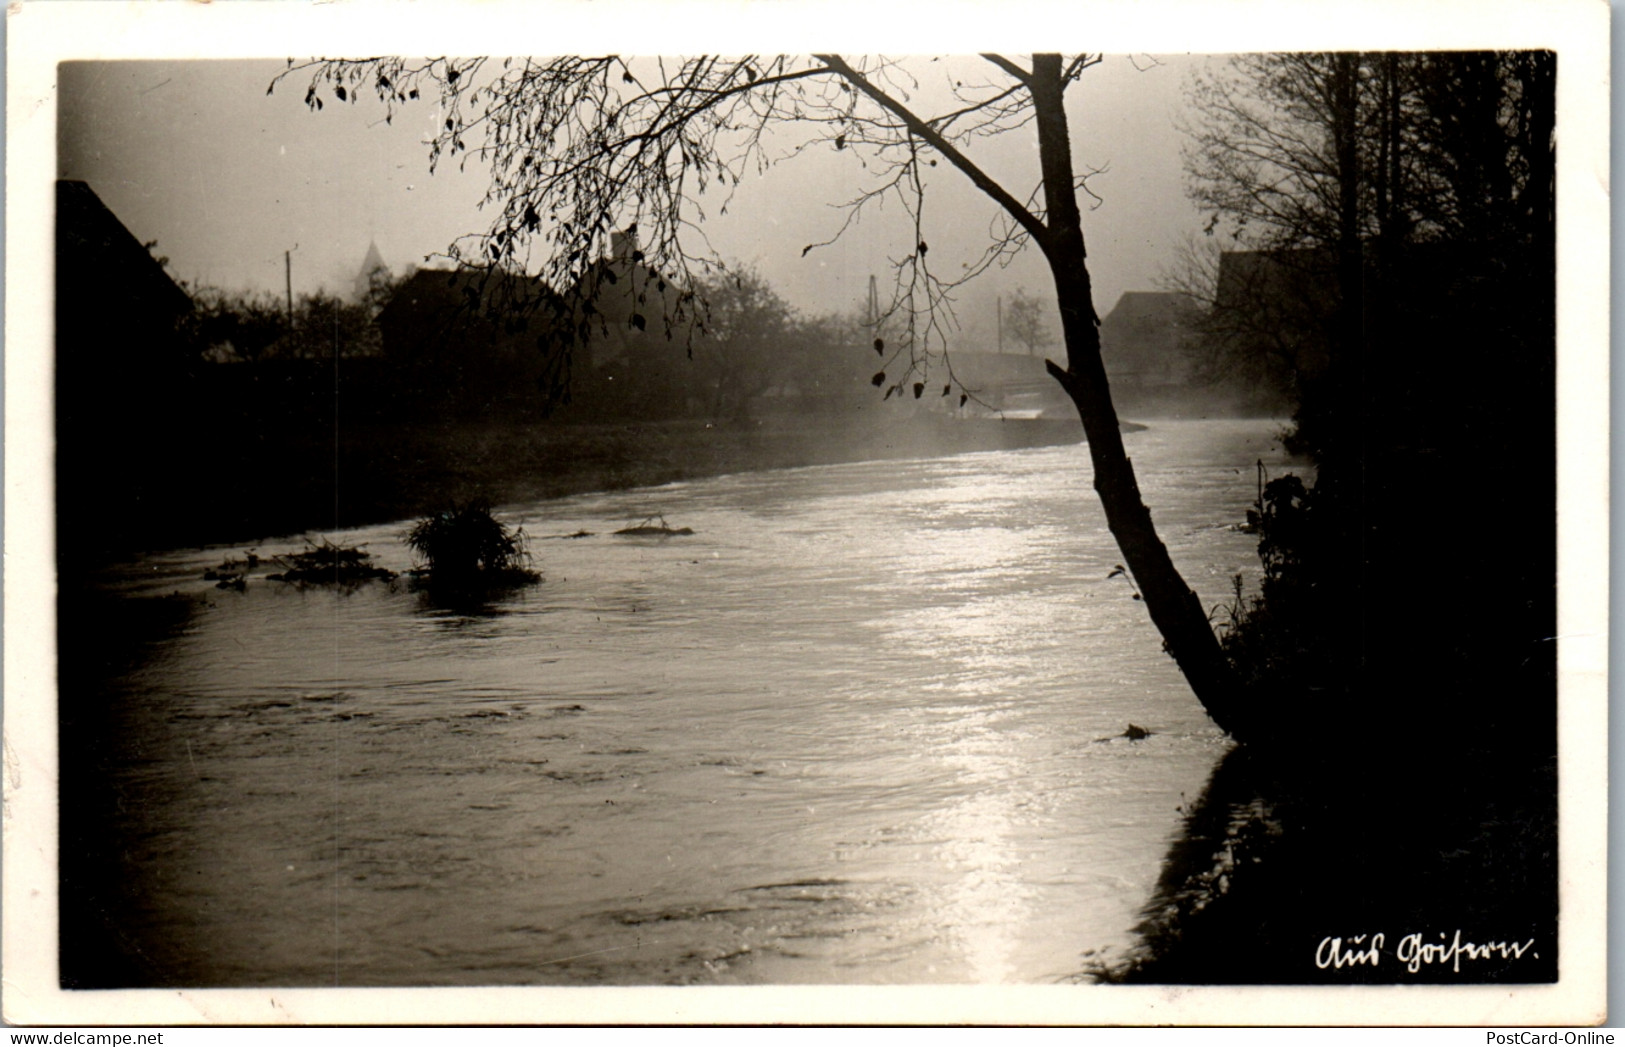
[(978, 177), (1021, 75)]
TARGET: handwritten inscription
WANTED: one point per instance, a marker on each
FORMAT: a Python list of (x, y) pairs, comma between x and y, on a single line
[(1415, 951), (1336, 952)]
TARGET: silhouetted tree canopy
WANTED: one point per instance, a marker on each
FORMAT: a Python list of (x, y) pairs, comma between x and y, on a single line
[(1359, 182), (1388, 231)]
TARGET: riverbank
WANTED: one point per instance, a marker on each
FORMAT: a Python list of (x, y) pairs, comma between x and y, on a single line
[(1420, 866), (265, 480)]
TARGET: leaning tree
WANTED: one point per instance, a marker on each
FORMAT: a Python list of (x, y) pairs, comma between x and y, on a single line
[(580, 148)]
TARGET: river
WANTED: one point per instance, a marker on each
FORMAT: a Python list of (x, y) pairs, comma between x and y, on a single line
[(864, 725)]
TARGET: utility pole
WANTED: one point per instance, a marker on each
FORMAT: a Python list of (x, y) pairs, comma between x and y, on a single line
[(287, 273), (1000, 304)]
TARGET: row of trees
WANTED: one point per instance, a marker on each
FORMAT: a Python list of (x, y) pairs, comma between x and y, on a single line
[(230, 327), (1399, 211), (755, 344), (1365, 177), (1385, 149), (1392, 215)]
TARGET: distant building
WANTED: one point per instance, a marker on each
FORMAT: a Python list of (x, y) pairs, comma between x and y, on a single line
[(625, 309), (1270, 325), (1149, 342), (127, 403), (1164, 353), (472, 335), (632, 330), (373, 272)]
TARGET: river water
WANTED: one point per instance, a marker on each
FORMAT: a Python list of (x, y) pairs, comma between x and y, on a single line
[(862, 726)]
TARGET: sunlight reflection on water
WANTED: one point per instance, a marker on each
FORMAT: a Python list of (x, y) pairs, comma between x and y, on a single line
[(859, 727)]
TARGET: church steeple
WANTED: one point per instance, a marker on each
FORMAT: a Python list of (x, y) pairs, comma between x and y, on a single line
[(374, 263)]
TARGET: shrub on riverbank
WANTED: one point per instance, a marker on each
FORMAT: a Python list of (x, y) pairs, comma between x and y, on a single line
[(1399, 776), (1282, 640)]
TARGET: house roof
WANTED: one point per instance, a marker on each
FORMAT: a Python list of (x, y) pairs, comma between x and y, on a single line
[(976, 370), (1135, 307), (632, 307), (100, 261), (1147, 334)]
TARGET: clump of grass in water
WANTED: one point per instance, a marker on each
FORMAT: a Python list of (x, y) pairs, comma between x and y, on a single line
[(232, 574), (323, 563), (466, 547), (649, 528)]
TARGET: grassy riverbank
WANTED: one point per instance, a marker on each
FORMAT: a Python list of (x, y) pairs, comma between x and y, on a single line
[(1288, 867), (252, 481)]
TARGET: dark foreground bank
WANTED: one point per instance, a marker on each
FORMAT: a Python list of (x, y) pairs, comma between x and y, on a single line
[(1385, 867)]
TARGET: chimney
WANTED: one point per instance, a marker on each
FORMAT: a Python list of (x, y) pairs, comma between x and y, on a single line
[(622, 244)]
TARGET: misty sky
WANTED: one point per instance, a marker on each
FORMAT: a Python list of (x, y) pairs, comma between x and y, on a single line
[(195, 155)]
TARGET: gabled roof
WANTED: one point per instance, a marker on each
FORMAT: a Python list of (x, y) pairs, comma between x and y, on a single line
[(99, 260), (977, 370), (1159, 307), (618, 287), (623, 291)]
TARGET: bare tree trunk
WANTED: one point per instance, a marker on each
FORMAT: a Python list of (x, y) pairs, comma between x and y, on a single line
[(1175, 610)]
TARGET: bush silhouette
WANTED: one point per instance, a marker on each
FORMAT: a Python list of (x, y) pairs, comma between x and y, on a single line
[(466, 544)]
